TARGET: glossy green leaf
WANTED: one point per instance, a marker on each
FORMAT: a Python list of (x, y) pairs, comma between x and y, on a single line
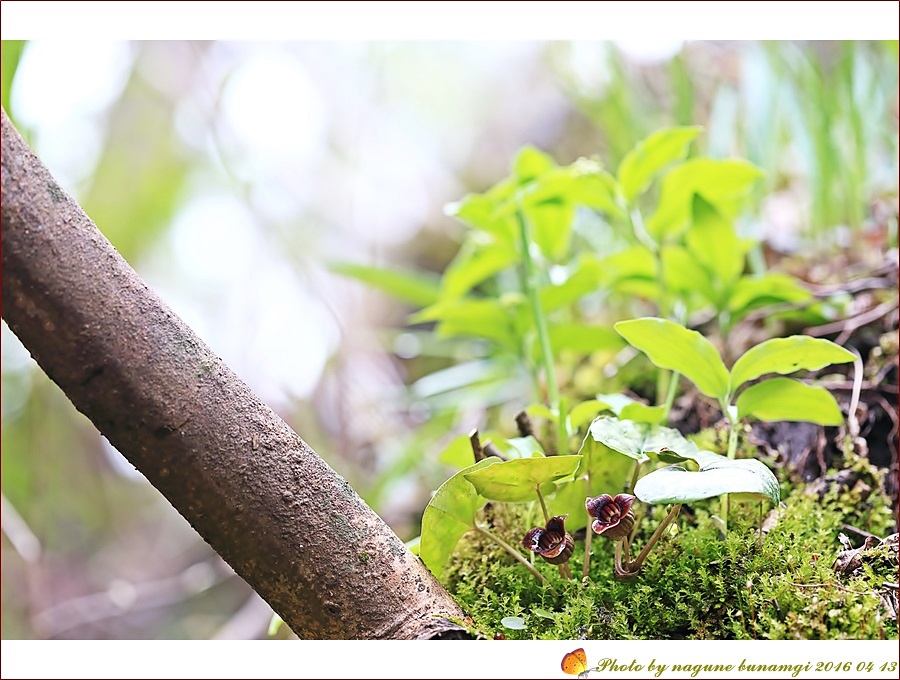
[(747, 479), (450, 513), (753, 292), (515, 481), (478, 259), (660, 149), (640, 441), (786, 355), (786, 399), (417, 288), (672, 346), (723, 183)]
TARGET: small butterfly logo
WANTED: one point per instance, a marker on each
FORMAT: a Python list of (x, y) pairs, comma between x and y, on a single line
[(575, 663)]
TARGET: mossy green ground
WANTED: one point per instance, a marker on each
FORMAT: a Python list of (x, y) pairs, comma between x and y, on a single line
[(696, 584)]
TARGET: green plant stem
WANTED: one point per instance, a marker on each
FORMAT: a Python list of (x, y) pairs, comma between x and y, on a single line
[(540, 323), (673, 513), (589, 532), (543, 504), (515, 553), (732, 452), (670, 395), (564, 570)]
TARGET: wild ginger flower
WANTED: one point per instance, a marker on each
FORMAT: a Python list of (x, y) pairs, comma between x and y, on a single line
[(551, 542), (613, 517)]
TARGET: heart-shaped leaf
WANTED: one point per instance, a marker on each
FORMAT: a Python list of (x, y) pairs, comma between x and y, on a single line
[(786, 355), (791, 400), (670, 345), (450, 514), (747, 479), (637, 440), (516, 481)]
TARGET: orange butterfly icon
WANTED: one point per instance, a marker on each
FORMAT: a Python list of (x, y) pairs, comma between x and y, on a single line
[(575, 663)]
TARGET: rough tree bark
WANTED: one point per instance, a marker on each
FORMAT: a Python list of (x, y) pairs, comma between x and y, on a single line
[(250, 486)]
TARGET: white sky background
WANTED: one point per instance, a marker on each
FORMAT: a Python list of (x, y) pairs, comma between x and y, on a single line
[(268, 354)]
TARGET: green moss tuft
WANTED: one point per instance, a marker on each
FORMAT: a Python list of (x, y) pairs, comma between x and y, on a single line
[(697, 584)]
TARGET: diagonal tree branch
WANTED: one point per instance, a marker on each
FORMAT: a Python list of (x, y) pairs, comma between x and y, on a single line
[(276, 512)]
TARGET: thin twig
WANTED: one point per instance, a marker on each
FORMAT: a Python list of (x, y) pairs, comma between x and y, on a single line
[(849, 325), (828, 585)]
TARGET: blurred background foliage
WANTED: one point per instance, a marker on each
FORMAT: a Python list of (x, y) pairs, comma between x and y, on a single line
[(231, 174)]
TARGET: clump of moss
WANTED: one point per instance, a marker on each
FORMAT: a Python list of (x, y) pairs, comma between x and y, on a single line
[(697, 584)]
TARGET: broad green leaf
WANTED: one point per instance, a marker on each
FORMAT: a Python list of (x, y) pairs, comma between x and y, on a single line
[(791, 400), (627, 408), (786, 355), (583, 338), (12, 53), (515, 481), (723, 183), (519, 447), (513, 622), (650, 156), (584, 279), (640, 440), (639, 412), (458, 453), (413, 544), (449, 514), (633, 262), (482, 211), (748, 479), (683, 273), (714, 243), (478, 259), (625, 436), (670, 345), (595, 188), (530, 164), (490, 319), (540, 411), (417, 288), (752, 292), (585, 412), (609, 471), (551, 225)]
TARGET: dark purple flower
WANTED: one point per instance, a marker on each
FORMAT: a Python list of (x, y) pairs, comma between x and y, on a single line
[(613, 517), (551, 542)]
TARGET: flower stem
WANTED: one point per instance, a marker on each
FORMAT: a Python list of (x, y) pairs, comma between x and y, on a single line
[(673, 513), (670, 395), (515, 553), (732, 452), (540, 496)]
